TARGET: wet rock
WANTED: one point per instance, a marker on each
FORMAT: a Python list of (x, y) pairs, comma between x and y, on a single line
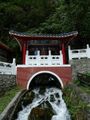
[(42, 90), (16, 107), (45, 104), (41, 114), (22, 102), (28, 98), (14, 114), (52, 98), (57, 95), (58, 102)]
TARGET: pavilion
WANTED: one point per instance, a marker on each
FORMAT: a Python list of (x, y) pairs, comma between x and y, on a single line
[(43, 42)]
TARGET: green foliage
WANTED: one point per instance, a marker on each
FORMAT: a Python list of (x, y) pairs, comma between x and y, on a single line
[(22, 15), (4, 100), (75, 105), (68, 16), (44, 16), (78, 12)]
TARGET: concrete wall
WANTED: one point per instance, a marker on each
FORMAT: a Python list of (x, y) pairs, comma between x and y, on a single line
[(7, 82), (80, 65)]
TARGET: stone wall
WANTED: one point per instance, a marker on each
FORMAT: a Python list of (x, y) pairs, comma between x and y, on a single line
[(80, 65), (7, 82)]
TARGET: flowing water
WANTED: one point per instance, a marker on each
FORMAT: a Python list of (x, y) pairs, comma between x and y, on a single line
[(54, 97)]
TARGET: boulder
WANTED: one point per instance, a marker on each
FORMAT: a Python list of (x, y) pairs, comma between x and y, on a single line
[(40, 114), (28, 98)]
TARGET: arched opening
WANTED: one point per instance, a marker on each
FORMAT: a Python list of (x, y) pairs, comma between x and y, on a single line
[(44, 79)]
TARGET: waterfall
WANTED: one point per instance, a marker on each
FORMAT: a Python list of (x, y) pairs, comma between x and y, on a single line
[(54, 97)]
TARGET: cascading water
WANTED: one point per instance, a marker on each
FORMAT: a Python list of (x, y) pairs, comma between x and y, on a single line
[(54, 98)]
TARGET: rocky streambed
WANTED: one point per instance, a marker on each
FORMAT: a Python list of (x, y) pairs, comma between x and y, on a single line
[(41, 104)]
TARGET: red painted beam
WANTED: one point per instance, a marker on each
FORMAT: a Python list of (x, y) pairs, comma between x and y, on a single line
[(23, 53), (64, 53)]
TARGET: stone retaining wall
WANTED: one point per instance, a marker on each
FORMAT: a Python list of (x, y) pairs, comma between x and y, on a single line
[(7, 82), (80, 65)]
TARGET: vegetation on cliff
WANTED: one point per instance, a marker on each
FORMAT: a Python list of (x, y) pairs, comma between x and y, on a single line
[(78, 101), (44, 16)]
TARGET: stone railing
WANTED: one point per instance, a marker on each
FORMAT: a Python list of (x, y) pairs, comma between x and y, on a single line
[(8, 68), (44, 60), (79, 53)]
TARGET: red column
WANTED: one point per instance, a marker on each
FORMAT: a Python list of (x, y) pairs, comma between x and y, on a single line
[(64, 53), (23, 53)]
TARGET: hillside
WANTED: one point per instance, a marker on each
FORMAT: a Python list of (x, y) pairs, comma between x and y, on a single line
[(44, 16)]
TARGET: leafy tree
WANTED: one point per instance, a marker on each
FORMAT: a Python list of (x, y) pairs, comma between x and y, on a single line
[(44, 16)]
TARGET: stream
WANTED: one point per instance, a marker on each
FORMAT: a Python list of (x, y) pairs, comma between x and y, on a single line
[(52, 96)]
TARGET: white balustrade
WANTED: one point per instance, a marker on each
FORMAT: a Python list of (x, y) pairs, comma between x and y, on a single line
[(8, 68), (79, 53), (44, 60)]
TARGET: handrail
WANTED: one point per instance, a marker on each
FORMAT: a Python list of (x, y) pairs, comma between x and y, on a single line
[(8, 68), (79, 53), (40, 60)]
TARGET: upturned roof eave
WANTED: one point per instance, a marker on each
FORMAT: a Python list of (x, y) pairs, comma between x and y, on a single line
[(26, 37)]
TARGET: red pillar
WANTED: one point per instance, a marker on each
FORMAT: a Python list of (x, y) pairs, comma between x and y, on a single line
[(23, 53), (64, 53)]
